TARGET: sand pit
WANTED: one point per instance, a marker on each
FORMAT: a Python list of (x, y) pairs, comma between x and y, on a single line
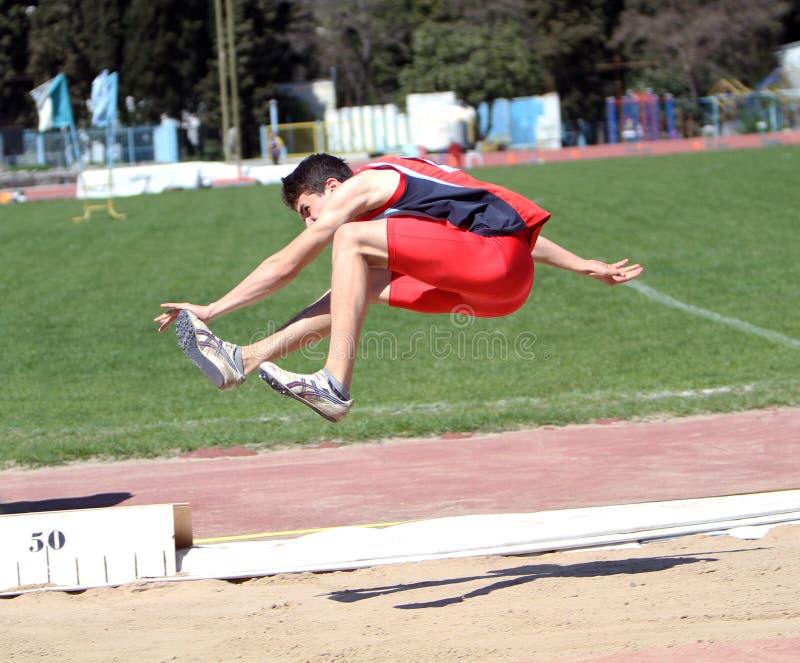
[(697, 597)]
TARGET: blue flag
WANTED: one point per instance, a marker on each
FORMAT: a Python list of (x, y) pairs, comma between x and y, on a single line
[(104, 99), (53, 105)]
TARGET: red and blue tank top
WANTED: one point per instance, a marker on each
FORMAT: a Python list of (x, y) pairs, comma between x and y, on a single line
[(435, 191)]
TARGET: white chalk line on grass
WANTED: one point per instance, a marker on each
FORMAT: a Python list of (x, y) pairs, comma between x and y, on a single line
[(418, 408), (741, 325)]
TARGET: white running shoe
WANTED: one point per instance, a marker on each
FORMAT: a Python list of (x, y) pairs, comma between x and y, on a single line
[(218, 359), (313, 390)]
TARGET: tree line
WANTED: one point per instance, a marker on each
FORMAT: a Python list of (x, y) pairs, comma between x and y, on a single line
[(377, 51)]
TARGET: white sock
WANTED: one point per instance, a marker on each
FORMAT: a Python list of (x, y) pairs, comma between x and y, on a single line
[(340, 390)]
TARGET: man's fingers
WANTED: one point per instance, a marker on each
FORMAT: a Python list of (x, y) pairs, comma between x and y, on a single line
[(165, 321), (170, 314), (628, 274), (168, 317)]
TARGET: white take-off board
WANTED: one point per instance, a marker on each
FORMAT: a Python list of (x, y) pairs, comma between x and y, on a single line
[(91, 547)]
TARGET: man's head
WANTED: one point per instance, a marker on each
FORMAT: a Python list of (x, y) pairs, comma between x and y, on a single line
[(311, 176)]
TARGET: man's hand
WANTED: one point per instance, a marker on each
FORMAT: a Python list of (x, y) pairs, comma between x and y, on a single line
[(614, 273), (549, 253), (173, 309)]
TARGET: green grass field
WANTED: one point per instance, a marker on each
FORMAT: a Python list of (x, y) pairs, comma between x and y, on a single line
[(84, 373)]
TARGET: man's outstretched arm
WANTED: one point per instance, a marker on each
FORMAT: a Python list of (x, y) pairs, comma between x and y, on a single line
[(350, 199), (267, 278), (547, 252)]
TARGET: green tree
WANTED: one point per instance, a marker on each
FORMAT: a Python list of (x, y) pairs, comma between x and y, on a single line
[(265, 57), (79, 38), (167, 48), (274, 39), (15, 83), (57, 44), (791, 24), (364, 44), (478, 61), (102, 33), (570, 38)]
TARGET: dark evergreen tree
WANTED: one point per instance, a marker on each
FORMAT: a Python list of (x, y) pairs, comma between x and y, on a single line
[(166, 51), (15, 82), (79, 38), (570, 38), (102, 32), (265, 56), (58, 44), (791, 24), (366, 43)]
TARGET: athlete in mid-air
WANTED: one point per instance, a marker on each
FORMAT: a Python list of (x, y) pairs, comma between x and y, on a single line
[(406, 232)]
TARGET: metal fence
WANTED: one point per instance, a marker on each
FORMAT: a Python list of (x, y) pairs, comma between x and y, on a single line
[(54, 148), (515, 123)]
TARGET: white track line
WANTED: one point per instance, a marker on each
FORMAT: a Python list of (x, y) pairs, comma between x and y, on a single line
[(741, 325)]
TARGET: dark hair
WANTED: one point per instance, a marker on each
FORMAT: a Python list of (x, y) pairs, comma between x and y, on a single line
[(310, 176)]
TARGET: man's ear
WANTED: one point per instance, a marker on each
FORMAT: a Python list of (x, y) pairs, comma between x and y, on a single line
[(331, 183)]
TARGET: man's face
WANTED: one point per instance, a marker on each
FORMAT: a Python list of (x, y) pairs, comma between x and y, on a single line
[(310, 205)]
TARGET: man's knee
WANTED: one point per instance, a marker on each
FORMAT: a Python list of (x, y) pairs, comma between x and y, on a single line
[(348, 238), (362, 238)]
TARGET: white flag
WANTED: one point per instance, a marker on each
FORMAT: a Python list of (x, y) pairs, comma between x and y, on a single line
[(104, 99), (52, 102)]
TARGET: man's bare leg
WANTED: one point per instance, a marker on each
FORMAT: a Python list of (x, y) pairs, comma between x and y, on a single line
[(226, 365), (360, 252), (358, 249), (309, 326)]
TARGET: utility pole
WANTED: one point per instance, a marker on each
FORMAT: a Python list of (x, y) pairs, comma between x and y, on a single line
[(223, 77), (228, 81), (234, 86)]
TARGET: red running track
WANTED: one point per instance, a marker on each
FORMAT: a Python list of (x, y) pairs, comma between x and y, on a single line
[(523, 471)]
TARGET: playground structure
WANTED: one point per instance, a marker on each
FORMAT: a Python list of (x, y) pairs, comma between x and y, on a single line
[(730, 109), (640, 116)]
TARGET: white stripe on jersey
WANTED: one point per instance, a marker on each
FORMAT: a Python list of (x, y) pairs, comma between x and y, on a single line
[(413, 173), (394, 211)]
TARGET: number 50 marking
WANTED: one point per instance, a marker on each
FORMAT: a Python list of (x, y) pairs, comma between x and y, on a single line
[(55, 540)]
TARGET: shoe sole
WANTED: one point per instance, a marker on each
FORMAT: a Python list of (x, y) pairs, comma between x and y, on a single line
[(187, 340), (283, 389)]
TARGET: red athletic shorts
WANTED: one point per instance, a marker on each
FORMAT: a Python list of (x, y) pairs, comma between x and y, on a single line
[(439, 268)]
